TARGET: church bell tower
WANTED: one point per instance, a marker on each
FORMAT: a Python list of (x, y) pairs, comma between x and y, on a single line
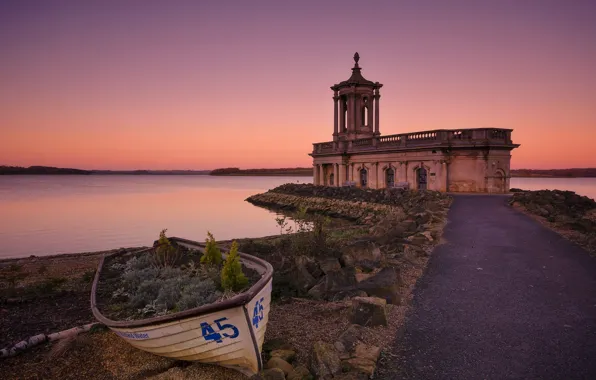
[(356, 107)]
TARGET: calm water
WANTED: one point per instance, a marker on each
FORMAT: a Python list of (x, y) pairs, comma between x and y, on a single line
[(582, 186), (41, 215)]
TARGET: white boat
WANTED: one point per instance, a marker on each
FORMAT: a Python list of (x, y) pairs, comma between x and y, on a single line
[(228, 333)]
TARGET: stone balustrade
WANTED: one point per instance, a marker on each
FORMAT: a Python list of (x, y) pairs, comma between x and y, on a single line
[(440, 138)]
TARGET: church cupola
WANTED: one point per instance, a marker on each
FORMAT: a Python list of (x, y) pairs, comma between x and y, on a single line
[(356, 106)]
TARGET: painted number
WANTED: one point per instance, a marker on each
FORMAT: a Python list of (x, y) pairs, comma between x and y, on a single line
[(210, 334), (257, 313)]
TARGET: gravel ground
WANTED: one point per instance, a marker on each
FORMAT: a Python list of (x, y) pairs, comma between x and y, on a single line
[(503, 298)]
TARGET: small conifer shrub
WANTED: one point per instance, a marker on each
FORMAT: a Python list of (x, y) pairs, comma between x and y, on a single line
[(165, 254), (212, 254), (232, 277)]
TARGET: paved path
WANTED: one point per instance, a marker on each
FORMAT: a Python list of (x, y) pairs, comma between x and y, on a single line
[(503, 298)]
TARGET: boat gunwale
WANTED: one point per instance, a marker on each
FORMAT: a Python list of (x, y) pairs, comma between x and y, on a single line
[(238, 300)]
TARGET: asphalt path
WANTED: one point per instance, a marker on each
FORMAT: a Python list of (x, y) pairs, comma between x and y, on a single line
[(502, 298)]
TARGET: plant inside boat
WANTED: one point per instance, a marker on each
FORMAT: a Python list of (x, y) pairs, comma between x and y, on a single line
[(170, 278)]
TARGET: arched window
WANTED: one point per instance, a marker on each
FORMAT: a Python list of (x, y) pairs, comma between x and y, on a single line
[(363, 177), (421, 177), (364, 112), (390, 177)]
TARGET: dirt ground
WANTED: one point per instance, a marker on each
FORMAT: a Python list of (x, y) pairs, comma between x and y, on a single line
[(48, 294), (102, 355)]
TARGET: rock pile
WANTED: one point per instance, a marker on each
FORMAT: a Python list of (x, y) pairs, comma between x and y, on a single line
[(406, 199), (401, 223), (349, 358), (280, 365), (352, 203), (565, 210)]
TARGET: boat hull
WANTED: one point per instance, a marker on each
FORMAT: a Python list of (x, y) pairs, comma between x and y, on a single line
[(229, 334)]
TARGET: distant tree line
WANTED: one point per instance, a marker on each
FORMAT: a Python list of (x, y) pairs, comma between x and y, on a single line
[(40, 170), (571, 173), (263, 172)]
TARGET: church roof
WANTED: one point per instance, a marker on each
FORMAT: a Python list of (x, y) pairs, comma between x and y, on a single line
[(356, 79)]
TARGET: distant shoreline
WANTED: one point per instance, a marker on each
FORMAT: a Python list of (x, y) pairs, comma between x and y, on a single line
[(290, 172)]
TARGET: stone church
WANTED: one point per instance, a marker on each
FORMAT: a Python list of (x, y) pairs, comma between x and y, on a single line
[(456, 160)]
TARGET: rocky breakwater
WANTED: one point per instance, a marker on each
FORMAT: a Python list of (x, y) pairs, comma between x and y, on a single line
[(572, 215), (369, 275), (401, 224)]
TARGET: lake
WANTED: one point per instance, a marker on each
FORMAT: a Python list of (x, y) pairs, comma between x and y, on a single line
[(43, 215)]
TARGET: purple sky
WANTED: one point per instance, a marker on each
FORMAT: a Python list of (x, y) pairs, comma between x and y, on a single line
[(206, 84)]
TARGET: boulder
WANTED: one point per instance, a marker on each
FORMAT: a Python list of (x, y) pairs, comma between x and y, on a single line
[(369, 311), (341, 350), (277, 362), (276, 344), (418, 239), (329, 264), (363, 276), (300, 373), (318, 291), (360, 365), (423, 217), (351, 375), (302, 280), (428, 235), (287, 355), (366, 351), (347, 260), (324, 361), (384, 284), (351, 336), (368, 266), (408, 226), (363, 250), (273, 374), (338, 280), (346, 295)]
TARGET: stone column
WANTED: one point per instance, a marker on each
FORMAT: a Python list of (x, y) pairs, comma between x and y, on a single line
[(377, 98), (321, 175), (342, 116), (350, 114), (335, 176), (370, 112), (335, 111), (314, 174), (342, 175), (357, 113), (377, 175)]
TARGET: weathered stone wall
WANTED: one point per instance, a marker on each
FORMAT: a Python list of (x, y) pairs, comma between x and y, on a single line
[(464, 170)]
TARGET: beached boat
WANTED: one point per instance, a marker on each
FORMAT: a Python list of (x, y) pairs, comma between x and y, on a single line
[(228, 333)]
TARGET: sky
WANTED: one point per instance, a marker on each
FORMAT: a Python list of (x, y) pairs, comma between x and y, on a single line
[(208, 84)]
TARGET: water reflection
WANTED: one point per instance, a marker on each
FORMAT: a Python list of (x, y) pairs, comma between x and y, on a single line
[(56, 214)]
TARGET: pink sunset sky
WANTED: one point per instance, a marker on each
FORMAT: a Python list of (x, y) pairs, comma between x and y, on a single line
[(208, 84)]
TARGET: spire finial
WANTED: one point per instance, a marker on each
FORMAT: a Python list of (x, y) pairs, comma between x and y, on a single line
[(356, 58)]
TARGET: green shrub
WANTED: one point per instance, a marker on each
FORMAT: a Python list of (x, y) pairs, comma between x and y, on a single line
[(165, 254), (232, 277), (197, 294), (212, 255)]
